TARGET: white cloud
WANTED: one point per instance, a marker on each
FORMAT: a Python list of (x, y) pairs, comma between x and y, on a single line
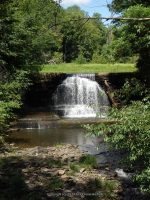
[(75, 2)]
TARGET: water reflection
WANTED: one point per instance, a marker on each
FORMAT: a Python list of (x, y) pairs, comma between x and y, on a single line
[(50, 137), (66, 135)]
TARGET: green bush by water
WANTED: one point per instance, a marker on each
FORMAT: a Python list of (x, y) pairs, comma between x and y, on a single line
[(11, 92), (131, 133), (132, 90)]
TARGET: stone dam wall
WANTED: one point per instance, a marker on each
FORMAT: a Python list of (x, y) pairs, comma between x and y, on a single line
[(40, 92)]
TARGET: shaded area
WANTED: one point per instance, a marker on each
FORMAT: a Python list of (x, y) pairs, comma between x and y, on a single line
[(61, 172), (43, 174), (40, 92)]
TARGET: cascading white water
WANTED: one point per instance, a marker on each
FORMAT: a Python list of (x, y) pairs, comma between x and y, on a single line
[(80, 96)]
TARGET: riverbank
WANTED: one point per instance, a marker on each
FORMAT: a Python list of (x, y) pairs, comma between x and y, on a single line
[(60, 172)]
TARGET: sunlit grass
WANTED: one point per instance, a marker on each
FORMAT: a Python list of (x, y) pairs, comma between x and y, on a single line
[(86, 162), (87, 68)]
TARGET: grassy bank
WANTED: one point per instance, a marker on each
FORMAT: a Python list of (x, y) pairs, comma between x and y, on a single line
[(86, 68)]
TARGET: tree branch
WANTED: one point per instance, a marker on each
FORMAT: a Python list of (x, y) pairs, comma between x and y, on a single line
[(106, 18)]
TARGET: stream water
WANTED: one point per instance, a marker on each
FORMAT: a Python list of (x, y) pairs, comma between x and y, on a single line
[(78, 100), (41, 129), (49, 136)]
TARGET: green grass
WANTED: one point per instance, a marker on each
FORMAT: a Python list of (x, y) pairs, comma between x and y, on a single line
[(86, 161), (86, 68), (55, 183)]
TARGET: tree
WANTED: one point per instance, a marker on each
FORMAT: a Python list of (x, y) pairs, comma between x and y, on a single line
[(81, 36), (94, 37), (136, 32), (8, 42), (121, 5), (37, 22)]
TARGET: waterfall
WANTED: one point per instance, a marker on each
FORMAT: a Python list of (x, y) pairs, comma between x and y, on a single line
[(80, 96)]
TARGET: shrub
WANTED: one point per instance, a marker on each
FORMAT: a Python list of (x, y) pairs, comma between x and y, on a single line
[(131, 133), (11, 93), (132, 90), (96, 58), (58, 57), (80, 59)]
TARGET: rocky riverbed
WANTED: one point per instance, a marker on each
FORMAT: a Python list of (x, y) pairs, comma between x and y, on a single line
[(62, 172)]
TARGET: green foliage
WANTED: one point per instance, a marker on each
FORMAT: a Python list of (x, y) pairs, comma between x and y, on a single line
[(116, 48), (144, 179), (57, 57), (96, 58), (121, 5), (8, 41), (89, 161), (14, 88), (54, 163), (36, 21), (26, 36), (133, 89), (121, 50), (81, 37), (74, 167), (35, 32), (80, 59), (137, 33), (86, 162), (56, 183), (11, 93), (131, 133), (134, 32)]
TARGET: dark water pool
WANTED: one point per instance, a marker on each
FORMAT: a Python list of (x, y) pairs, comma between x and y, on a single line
[(42, 130), (50, 137)]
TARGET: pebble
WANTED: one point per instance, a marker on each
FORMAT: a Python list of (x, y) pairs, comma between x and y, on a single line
[(64, 177), (25, 170), (61, 172), (44, 169), (82, 170)]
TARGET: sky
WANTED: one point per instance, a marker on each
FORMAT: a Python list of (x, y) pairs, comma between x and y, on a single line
[(90, 6)]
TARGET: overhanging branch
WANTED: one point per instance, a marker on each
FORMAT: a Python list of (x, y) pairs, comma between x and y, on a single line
[(125, 18), (105, 18)]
